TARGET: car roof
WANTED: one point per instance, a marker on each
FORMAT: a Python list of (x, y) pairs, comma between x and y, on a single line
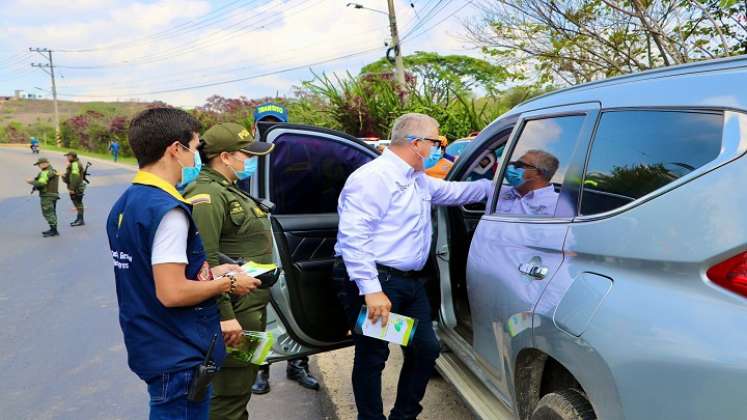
[(713, 83)]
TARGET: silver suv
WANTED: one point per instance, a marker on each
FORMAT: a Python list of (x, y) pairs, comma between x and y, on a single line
[(605, 288)]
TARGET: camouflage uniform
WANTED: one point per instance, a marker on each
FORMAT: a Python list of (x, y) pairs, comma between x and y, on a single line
[(47, 183), (76, 186)]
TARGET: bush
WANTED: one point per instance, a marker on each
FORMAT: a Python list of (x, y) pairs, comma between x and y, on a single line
[(14, 132)]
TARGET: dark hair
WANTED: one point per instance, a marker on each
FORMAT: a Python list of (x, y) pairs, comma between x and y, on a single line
[(155, 129)]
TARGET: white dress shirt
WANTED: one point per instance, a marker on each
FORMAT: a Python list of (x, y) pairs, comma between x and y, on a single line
[(539, 202), (385, 216)]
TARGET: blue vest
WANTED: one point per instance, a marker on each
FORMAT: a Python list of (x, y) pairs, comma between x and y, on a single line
[(158, 339)]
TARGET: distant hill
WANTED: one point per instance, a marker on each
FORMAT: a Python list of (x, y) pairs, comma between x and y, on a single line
[(28, 111)]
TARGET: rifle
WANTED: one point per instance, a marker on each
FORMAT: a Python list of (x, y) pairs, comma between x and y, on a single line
[(84, 174)]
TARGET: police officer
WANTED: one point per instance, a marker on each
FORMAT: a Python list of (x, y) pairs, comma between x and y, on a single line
[(47, 183), (75, 185), (233, 223), (265, 115)]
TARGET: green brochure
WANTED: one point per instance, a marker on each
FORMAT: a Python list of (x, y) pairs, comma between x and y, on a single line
[(254, 347), (399, 330)]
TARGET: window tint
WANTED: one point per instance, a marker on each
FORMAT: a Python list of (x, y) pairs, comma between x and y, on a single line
[(307, 173), (535, 172), (637, 152)]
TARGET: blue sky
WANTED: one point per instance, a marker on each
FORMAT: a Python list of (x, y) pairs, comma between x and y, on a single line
[(164, 49)]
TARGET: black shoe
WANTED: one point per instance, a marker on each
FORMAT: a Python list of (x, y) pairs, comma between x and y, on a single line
[(51, 232), (298, 370), (262, 383), (78, 222)]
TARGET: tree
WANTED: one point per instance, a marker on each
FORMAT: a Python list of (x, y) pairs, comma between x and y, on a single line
[(576, 41), (442, 74)]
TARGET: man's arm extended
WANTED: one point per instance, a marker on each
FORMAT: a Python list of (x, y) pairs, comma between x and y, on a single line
[(449, 193)]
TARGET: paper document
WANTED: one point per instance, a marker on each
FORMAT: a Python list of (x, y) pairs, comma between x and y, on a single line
[(399, 330), (255, 269), (254, 347)]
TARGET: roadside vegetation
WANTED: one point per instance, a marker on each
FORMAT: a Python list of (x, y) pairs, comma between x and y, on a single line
[(533, 46)]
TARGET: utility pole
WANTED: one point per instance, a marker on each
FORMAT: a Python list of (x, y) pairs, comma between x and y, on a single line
[(399, 65), (50, 65)]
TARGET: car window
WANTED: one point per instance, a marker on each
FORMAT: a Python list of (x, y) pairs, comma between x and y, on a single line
[(456, 148), (307, 172), (637, 152), (536, 171)]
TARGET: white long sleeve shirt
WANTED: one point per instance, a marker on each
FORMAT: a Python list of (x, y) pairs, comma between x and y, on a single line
[(385, 217)]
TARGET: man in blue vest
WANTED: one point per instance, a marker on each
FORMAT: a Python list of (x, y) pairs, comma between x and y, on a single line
[(165, 288)]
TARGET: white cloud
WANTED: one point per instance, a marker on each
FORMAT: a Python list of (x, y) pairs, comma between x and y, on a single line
[(245, 42)]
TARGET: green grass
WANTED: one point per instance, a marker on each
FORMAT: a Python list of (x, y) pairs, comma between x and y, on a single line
[(105, 156)]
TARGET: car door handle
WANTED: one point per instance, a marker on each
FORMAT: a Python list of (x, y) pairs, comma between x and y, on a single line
[(534, 271)]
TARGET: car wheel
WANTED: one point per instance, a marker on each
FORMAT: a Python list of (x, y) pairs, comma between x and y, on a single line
[(564, 405)]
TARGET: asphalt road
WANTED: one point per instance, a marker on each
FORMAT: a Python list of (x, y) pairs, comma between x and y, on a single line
[(61, 349)]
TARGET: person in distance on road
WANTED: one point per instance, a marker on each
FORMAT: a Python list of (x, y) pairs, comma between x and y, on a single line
[(165, 289), (73, 178), (47, 183)]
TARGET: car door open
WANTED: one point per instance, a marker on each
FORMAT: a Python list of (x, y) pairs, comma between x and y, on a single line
[(303, 177)]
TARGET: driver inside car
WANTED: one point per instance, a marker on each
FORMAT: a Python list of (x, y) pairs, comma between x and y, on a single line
[(530, 191)]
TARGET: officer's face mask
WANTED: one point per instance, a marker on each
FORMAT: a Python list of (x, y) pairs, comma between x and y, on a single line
[(189, 173), (250, 168)]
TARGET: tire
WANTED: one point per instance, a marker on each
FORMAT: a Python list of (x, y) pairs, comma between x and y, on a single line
[(567, 404)]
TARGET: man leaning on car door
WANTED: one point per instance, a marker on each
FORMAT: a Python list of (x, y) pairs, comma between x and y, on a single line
[(382, 246)]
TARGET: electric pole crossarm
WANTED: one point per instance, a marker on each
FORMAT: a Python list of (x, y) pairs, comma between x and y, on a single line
[(47, 53)]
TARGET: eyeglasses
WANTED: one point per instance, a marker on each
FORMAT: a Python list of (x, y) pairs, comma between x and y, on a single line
[(436, 142), (200, 146), (519, 164)]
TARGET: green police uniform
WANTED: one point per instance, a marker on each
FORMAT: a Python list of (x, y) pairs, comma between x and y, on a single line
[(73, 177), (47, 183), (231, 222)]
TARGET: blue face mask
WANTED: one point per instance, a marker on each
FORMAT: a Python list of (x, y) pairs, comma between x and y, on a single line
[(190, 173), (250, 168), (432, 158), (514, 175)]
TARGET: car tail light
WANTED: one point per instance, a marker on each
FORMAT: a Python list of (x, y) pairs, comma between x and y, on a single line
[(731, 274)]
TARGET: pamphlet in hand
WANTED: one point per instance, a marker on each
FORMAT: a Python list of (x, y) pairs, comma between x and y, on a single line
[(256, 269), (267, 273), (254, 347), (399, 330)]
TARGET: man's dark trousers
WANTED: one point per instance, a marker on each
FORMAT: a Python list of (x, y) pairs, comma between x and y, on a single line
[(408, 297)]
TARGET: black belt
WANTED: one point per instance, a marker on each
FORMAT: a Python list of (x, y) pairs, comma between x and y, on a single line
[(389, 270)]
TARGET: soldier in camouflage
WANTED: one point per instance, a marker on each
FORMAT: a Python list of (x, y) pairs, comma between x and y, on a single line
[(75, 185), (47, 183)]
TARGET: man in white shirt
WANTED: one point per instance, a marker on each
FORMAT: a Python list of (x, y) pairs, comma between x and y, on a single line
[(384, 241), (531, 192)]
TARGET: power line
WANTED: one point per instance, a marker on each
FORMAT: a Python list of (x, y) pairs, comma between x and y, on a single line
[(195, 46), (447, 17), (225, 82), (426, 17), (217, 14), (281, 56)]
